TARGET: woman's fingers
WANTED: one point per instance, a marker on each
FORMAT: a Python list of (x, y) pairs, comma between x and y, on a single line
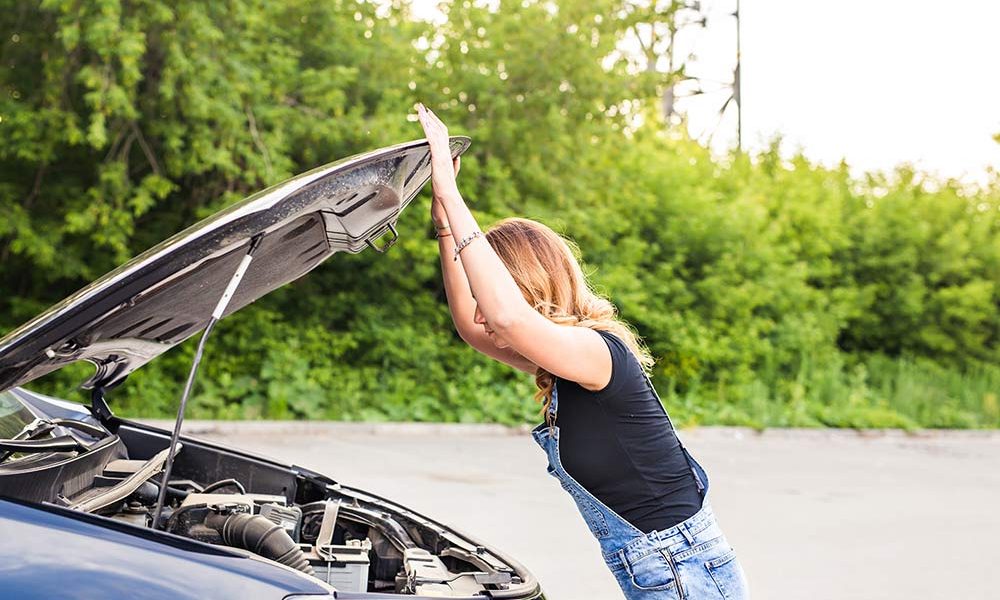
[(427, 116), (424, 118), (438, 122), (431, 130), (437, 138)]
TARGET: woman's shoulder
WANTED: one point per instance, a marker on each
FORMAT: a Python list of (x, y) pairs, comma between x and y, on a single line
[(616, 344), (625, 367), (626, 370)]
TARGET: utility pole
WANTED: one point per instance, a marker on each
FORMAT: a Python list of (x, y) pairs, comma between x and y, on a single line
[(736, 84)]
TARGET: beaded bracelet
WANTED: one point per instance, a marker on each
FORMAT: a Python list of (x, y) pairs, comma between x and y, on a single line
[(466, 241)]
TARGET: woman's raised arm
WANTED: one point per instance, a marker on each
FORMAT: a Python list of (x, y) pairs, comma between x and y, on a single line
[(461, 304), (463, 309), (575, 353)]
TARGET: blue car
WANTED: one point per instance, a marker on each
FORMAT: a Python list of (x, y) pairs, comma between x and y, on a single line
[(96, 506)]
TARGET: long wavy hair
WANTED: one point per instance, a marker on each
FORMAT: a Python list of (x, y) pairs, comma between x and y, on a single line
[(546, 267)]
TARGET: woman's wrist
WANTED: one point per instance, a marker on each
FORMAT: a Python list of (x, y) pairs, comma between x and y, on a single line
[(442, 230)]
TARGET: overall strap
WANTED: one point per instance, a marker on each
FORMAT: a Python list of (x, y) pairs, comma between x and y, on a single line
[(554, 404)]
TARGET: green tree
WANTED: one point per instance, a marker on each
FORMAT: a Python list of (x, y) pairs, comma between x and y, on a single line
[(772, 291)]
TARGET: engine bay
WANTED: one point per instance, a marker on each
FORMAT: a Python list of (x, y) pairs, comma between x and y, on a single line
[(341, 542), (352, 540)]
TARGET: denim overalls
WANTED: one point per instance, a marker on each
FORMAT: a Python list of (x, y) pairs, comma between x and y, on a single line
[(692, 560)]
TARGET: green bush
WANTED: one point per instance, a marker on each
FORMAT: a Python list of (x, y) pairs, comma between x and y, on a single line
[(772, 291)]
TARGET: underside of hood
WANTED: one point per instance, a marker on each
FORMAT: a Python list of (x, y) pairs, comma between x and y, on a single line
[(167, 294)]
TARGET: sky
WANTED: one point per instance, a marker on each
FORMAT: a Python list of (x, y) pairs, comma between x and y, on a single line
[(877, 83)]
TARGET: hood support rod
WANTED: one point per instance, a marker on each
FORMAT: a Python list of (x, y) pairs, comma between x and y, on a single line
[(220, 308)]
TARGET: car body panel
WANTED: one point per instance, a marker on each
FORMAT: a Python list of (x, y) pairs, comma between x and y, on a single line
[(70, 554), (168, 293), (102, 573)]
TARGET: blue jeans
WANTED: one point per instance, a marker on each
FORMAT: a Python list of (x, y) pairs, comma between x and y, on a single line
[(690, 561)]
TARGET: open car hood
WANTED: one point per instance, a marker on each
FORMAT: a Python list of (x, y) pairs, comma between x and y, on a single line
[(167, 294)]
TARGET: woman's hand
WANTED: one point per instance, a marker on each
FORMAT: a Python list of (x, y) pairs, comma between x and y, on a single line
[(443, 169)]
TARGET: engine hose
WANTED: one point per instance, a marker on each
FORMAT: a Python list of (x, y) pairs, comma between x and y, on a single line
[(260, 536), (224, 483)]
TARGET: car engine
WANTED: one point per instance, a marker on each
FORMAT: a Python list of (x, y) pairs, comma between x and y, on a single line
[(338, 540), (348, 538)]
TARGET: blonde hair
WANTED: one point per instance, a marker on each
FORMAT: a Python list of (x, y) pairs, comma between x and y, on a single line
[(546, 267)]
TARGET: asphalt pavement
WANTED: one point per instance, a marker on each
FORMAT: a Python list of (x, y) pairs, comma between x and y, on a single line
[(812, 514)]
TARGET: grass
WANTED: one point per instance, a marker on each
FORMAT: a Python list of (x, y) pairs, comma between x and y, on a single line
[(879, 392), (874, 392)]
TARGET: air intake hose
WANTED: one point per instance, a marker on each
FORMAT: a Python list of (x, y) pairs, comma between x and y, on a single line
[(260, 536)]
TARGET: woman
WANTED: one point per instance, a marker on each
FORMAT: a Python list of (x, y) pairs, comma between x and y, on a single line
[(517, 294)]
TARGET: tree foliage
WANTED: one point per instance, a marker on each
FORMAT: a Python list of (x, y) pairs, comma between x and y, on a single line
[(772, 291)]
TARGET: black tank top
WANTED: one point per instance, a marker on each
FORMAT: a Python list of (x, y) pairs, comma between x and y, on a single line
[(618, 444)]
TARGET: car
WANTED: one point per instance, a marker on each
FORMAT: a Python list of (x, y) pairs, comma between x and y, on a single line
[(93, 505)]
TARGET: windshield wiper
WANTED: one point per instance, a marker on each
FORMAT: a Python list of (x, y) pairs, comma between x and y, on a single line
[(62, 443), (25, 440), (35, 428), (30, 429), (42, 426)]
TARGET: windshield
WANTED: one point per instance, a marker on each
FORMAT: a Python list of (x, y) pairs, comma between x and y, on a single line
[(14, 416)]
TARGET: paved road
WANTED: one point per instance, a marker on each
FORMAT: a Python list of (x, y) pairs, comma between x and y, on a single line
[(812, 514)]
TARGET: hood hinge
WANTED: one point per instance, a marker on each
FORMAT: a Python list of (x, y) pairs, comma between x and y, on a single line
[(100, 410)]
